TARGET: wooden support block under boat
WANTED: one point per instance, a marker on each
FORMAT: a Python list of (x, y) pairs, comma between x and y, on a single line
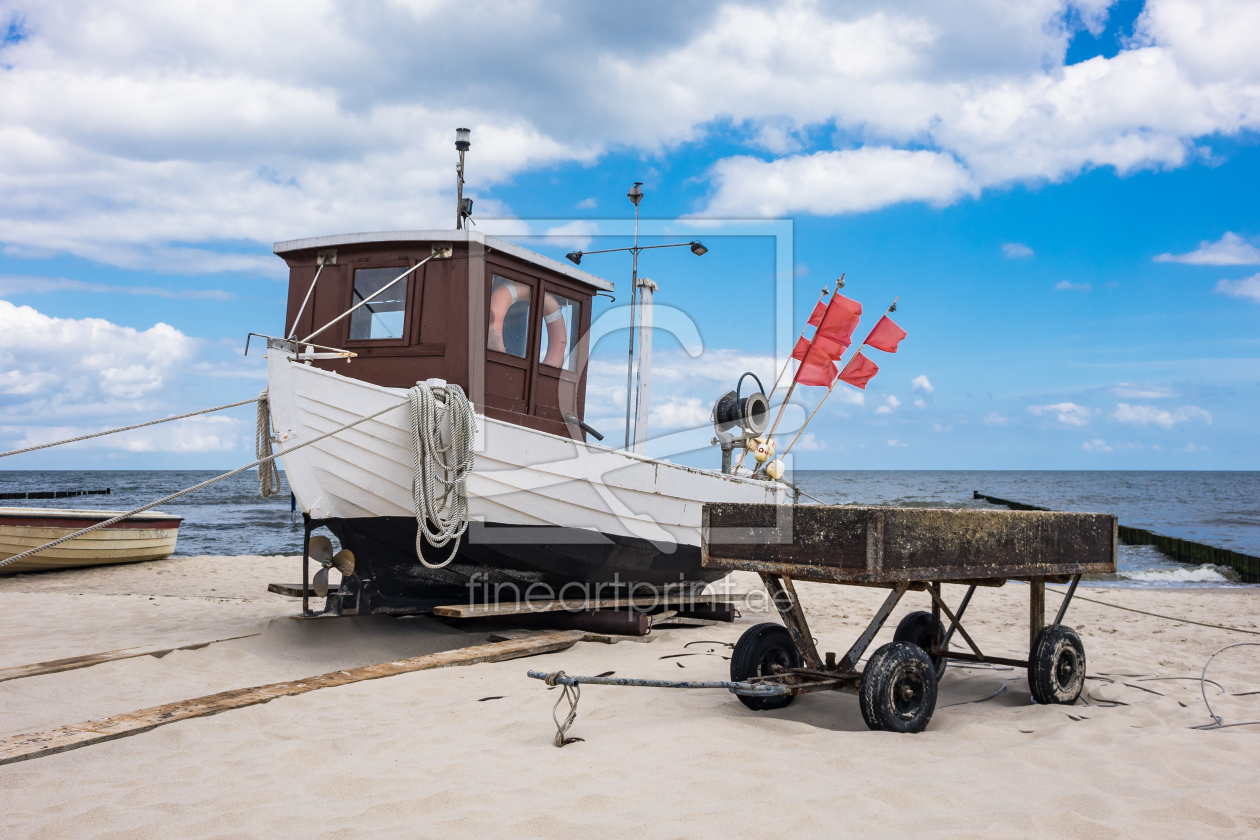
[(61, 739), (883, 545), (146, 536)]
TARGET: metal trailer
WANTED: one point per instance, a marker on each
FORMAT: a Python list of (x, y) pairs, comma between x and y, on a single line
[(902, 549)]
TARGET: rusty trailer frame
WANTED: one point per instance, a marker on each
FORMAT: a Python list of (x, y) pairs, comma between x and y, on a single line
[(903, 549)]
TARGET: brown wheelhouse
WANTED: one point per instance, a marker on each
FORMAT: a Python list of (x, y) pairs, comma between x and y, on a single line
[(507, 325)]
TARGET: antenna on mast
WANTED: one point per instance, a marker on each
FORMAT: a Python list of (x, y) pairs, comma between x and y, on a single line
[(463, 206)]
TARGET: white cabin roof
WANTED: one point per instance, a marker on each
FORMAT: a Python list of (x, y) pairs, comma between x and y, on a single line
[(477, 236)]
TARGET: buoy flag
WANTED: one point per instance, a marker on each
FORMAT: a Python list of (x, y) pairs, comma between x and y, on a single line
[(858, 371), (801, 348), (816, 368), (840, 320), (886, 335), (816, 316)]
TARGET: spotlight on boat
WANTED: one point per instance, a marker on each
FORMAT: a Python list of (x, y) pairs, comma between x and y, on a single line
[(574, 257), (698, 248)]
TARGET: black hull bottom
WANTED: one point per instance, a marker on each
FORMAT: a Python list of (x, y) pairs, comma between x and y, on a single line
[(503, 563)]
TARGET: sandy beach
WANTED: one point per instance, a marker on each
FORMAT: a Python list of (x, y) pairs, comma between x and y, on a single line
[(467, 752)]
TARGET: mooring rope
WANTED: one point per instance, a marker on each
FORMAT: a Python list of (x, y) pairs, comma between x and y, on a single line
[(268, 474), (128, 428), (571, 692), (106, 523), (434, 464)]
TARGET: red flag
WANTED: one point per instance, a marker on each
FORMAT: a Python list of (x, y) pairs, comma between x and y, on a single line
[(816, 316), (858, 371), (834, 349), (816, 369), (886, 335), (801, 348), (840, 320)]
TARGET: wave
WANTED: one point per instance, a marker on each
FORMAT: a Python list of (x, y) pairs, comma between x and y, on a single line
[(1207, 573)]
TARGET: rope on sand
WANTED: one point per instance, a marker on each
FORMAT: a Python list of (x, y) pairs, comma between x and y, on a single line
[(1217, 722), (572, 692)]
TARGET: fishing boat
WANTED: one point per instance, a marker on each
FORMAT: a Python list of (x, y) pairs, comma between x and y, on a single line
[(145, 536), (547, 504)]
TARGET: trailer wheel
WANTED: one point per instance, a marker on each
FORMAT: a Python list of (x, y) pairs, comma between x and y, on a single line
[(898, 689), (918, 628), (1056, 665), (761, 651)]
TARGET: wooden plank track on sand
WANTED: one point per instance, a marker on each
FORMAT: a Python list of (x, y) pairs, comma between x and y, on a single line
[(17, 672), (63, 738)]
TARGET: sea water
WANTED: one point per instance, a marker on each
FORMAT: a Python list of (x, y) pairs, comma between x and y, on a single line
[(1216, 508)]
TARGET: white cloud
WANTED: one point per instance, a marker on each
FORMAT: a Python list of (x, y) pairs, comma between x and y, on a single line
[(1143, 391), (1230, 249), (1069, 414), (809, 443), (1248, 287), (850, 396), (994, 419), (1191, 447), (1016, 251), (247, 122), (675, 412), (829, 183), (51, 366), (575, 234), (921, 403), (939, 427), (588, 203), (922, 383), (890, 405), (1095, 445), (1143, 415), (12, 284), (1069, 286), (896, 444)]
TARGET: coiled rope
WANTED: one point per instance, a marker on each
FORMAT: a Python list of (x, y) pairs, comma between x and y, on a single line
[(106, 523), (441, 514), (129, 428), (268, 474)]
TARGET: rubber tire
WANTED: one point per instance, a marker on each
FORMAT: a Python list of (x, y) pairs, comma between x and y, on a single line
[(917, 629), (895, 666), (1056, 666), (761, 646)]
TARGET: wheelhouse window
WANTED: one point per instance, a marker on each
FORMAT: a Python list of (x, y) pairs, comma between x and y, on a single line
[(384, 315), (509, 317), (561, 320)]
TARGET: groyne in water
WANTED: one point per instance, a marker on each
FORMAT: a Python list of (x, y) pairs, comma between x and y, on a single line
[(54, 494), (1185, 551)]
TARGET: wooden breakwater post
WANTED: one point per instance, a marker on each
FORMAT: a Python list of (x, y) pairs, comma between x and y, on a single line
[(1185, 551), (55, 494)]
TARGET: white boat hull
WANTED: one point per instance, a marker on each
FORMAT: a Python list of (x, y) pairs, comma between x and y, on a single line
[(536, 500)]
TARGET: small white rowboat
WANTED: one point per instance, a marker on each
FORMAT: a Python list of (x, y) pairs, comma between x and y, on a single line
[(146, 536)]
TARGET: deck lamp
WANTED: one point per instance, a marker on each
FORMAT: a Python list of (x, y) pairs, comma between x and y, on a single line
[(463, 139), (635, 195), (574, 257), (698, 249)]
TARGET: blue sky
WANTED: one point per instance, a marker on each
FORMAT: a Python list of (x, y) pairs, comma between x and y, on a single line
[(1063, 195)]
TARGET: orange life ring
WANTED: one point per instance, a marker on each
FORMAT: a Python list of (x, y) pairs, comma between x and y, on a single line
[(557, 333), (505, 294)]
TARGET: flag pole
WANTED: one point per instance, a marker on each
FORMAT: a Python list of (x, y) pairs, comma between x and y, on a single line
[(788, 361), (773, 428), (832, 386)]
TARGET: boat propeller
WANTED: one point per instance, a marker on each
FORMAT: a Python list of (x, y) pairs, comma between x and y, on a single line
[(321, 551)]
